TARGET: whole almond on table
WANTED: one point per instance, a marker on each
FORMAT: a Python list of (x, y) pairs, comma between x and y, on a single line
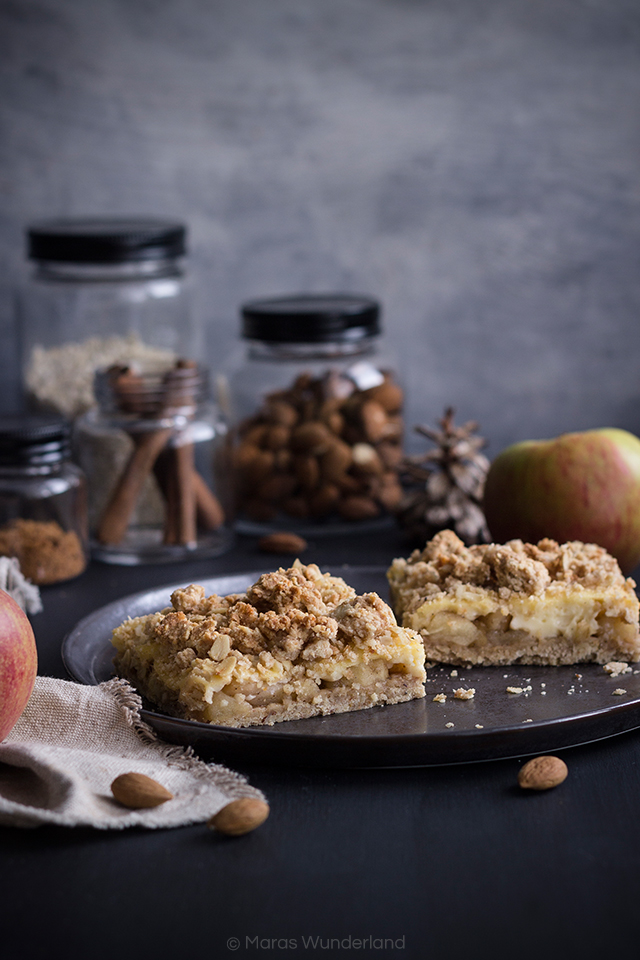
[(138, 791), (282, 542), (542, 773), (240, 816)]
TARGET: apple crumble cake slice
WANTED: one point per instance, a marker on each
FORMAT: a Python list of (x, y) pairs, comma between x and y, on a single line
[(544, 603), (298, 643)]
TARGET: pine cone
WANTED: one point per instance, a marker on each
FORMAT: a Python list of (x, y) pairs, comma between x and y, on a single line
[(444, 487)]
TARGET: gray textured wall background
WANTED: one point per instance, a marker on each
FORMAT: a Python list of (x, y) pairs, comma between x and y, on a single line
[(473, 163)]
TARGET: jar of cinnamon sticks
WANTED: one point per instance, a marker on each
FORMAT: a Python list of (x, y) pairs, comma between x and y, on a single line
[(317, 414), (154, 454)]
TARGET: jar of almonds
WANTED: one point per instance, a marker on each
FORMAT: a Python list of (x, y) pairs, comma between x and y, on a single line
[(317, 414)]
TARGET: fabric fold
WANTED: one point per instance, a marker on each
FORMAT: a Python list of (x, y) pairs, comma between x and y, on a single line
[(72, 741)]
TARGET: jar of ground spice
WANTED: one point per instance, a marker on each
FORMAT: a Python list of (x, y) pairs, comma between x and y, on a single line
[(317, 413), (43, 504)]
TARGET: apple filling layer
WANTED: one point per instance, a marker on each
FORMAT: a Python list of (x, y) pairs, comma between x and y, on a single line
[(544, 603), (297, 644)]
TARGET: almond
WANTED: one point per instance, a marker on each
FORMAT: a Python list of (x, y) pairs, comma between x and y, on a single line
[(259, 510), (296, 507), (388, 491), (366, 459), (138, 791), (358, 508), (311, 437), (542, 773), (255, 434), (335, 462), (389, 395), (374, 421), (307, 472), (277, 436), (255, 464), (282, 542), (324, 499), (349, 484), (390, 453), (278, 411), (240, 816), (277, 486)]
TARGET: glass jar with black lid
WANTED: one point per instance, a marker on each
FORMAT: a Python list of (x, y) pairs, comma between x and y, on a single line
[(103, 290), (153, 451), (316, 409), (43, 503)]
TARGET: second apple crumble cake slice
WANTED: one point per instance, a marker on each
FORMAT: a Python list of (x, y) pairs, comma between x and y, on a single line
[(544, 603), (297, 644)]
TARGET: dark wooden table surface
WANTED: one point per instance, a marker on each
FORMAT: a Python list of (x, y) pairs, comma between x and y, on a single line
[(433, 862)]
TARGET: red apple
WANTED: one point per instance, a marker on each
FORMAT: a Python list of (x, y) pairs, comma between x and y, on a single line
[(18, 662), (579, 486)]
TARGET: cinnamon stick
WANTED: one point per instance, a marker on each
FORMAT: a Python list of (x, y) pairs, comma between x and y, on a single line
[(183, 465), (115, 519), (209, 511), (209, 508)]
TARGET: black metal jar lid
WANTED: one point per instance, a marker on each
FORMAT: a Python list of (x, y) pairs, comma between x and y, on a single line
[(105, 240), (311, 318), (33, 440)]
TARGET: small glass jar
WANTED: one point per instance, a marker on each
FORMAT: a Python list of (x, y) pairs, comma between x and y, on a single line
[(154, 451), (102, 291), (317, 414), (43, 503)]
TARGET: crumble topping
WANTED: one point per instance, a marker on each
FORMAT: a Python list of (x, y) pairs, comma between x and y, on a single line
[(615, 667), (446, 565)]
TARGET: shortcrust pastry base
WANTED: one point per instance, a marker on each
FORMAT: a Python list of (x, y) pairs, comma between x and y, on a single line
[(544, 603)]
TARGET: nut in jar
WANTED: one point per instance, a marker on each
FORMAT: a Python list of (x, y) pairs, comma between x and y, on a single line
[(322, 448)]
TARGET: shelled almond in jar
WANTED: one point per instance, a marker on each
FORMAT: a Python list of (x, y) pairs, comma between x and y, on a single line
[(321, 448)]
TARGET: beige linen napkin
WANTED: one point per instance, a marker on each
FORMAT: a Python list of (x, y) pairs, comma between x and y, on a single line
[(72, 741)]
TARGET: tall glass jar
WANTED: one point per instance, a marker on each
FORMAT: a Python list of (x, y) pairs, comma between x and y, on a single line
[(43, 503), (102, 291), (154, 451), (317, 414)]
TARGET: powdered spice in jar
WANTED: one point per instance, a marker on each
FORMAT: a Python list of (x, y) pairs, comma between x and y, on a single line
[(43, 513), (46, 553)]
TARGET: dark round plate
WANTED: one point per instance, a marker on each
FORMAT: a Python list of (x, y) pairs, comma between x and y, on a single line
[(558, 707)]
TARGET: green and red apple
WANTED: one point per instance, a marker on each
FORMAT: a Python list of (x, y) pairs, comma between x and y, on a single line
[(579, 486), (18, 662)]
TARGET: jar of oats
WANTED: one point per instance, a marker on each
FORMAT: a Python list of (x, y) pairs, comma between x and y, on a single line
[(316, 409), (43, 503), (106, 290)]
